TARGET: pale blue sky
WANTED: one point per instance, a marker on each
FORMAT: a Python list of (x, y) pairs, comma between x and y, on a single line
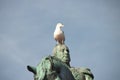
[(92, 30)]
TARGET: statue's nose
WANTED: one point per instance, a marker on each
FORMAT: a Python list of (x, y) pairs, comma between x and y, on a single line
[(65, 51)]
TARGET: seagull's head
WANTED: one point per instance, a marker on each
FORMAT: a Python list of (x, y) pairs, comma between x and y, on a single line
[(60, 25)]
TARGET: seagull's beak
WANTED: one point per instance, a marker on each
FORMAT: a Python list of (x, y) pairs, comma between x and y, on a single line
[(62, 26)]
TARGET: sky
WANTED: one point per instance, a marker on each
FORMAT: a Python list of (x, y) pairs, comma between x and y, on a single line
[(91, 27)]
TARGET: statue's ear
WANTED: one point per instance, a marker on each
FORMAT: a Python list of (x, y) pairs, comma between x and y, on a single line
[(31, 69)]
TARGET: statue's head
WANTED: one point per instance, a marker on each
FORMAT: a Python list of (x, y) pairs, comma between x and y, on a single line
[(61, 51)]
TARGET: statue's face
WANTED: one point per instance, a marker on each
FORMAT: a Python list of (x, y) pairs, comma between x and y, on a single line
[(62, 52)]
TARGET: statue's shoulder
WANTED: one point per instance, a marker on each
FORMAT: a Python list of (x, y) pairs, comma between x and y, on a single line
[(83, 71), (77, 74)]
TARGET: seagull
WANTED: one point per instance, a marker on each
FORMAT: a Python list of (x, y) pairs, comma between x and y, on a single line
[(59, 34)]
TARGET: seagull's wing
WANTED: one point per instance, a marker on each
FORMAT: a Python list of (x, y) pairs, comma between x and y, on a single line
[(63, 36)]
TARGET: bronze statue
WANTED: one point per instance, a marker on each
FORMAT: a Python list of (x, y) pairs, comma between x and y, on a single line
[(57, 67)]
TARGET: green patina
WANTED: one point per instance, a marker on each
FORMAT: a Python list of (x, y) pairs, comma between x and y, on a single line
[(57, 67)]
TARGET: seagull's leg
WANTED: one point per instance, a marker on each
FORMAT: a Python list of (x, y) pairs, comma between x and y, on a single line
[(62, 41), (57, 42)]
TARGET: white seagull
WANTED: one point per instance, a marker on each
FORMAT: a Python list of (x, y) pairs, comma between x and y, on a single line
[(59, 34)]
